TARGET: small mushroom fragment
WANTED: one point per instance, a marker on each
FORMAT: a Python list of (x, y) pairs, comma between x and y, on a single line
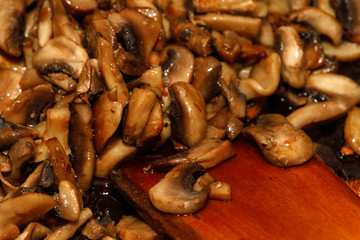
[(5, 164), (177, 64), (93, 230), (187, 114), (174, 193), (131, 227), (227, 122), (173, 8), (12, 15), (235, 99), (220, 191), (328, 26), (203, 181), (208, 153), (280, 142), (313, 51), (292, 56), (107, 116), (90, 81), (34, 231), (25, 208), (352, 129), (242, 25), (68, 201), (281, 7)]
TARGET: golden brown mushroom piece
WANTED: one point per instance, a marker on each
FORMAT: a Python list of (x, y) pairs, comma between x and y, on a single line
[(280, 142), (174, 193)]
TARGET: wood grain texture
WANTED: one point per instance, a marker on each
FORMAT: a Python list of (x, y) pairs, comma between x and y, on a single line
[(303, 202)]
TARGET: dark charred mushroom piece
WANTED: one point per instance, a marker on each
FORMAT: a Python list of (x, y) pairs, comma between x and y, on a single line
[(12, 15), (280, 142), (174, 193), (29, 105), (187, 114)]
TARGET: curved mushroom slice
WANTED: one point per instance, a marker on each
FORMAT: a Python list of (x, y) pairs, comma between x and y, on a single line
[(244, 26), (177, 64), (235, 99), (174, 193), (227, 48), (264, 78), (208, 153), (11, 231), (61, 24), (280, 142), (292, 56), (9, 87), (298, 4), (206, 74), (45, 23), (133, 227), (80, 7), (59, 61), (68, 201), (34, 231), (187, 114), (68, 230), (326, 6), (313, 51), (230, 6), (28, 106), (352, 129), (328, 26), (115, 151), (107, 116), (25, 208), (81, 143), (142, 101), (173, 8), (345, 52), (90, 81), (193, 37), (12, 15), (227, 122)]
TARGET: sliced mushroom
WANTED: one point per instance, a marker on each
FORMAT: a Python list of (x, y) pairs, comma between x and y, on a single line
[(25, 208), (45, 23), (298, 4), (235, 99), (220, 191), (5, 164), (208, 153), (281, 143), (351, 129), (90, 81), (34, 231), (187, 114), (12, 14), (203, 6), (173, 8), (93, 230), (9, 87), (326, 6), (80, 7), (313, 51), (68, 201), (292, 56), (132, 227), (174, 193), (328, 26), (177, 64), (227, 48), (281, 7), (203, 182), (227, 122), (345, 52)]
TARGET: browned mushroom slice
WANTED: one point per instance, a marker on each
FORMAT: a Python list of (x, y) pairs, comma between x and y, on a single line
[(10, 133), (345, 52), (25, 208), (115, 151), (60, 162), (206, 73), (177, 64), (313, 51), (298, 4), (193, 37), (12, 63), (61, 23), (227, 48), (235, 99), (34, 230), (292, 56), (243, 25), (80, 7), (347, 12), (281, 7), (107, 116), (142, 101), (227, 122), (68, 201), (28, 106), (243, 6), (281, 143), (81, 143), (94, 230), (112, 76), (220, 191), (187, 114), (12, 14), (328, 26), (9, 87), (11, 231), (45, 23), (5, 164), (60, 60), (174, 193), (90, 81), (352, 129), (132, 227), (208, 153), (31, 78), (326, 6), (173, 8)]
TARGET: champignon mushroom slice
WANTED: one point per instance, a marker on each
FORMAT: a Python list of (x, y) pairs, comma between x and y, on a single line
[(68, 201), (25, 208), (177, 64), (281, 143), (352, 129), (203, 182), (21, 152), (187, 114), (227, 48), (115, 151), (12, 15), (9, 87), (313, 51), (132, 227), (243, 25), (61, 24), (264, 78), (326, 6), (34, 231), (44, 23), (227, 122), (82, 144), (94, 230), (292, 56), (80, 7), (68, 230), (193, 37), (173, 8), (298, 4), (108, 112), (206, 74), (90, 81), (230, 6), (174, 193), (60, 162), (220, 191), (235, 99), (208, 153), (281, 7), (328, 26), (109, 69), (345, 52)]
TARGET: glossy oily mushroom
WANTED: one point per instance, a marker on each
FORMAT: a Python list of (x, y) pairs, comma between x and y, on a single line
[(174, 193), (80, 7)]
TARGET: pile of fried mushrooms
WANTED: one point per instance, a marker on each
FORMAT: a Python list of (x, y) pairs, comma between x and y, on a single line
[(85, 84)]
